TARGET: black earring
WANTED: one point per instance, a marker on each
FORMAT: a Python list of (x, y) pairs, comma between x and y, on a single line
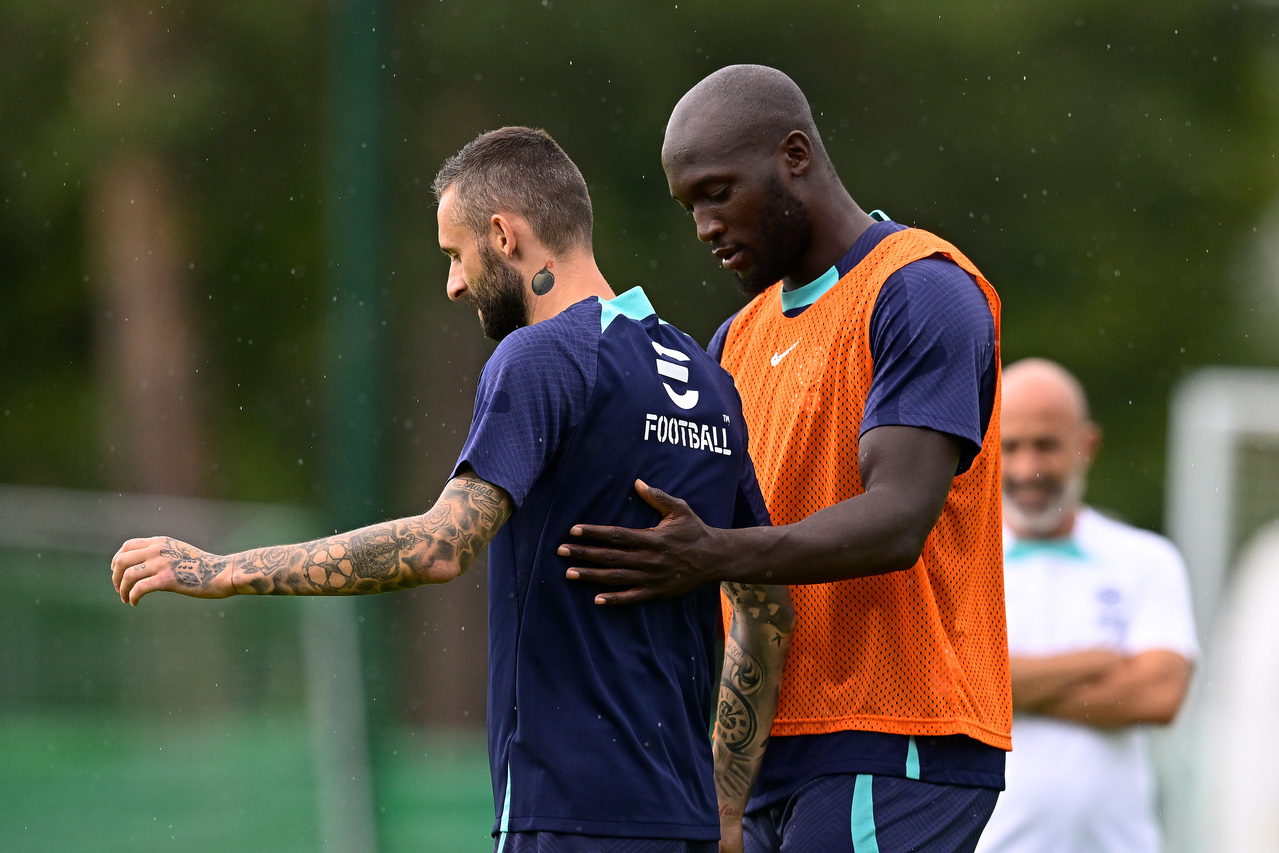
[(543, 281)]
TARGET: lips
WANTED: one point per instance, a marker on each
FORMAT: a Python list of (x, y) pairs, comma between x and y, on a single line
[(730, 257), (1030, 496)]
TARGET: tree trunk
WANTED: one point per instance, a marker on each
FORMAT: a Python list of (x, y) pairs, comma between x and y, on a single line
[(140, 261)]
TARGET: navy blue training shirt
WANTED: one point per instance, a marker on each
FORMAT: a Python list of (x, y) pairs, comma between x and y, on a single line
[(599, 717)]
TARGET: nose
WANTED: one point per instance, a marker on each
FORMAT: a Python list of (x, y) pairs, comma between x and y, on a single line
[(1020, 464), (456, 287), (708, 226)]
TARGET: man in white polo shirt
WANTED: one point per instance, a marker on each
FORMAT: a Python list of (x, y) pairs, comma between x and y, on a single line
[(1100, 633)]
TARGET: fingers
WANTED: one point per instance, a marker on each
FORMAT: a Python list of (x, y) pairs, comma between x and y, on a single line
[(659, 500), (615, 577), (620, 537), (630, 596), (640, 583), (129, 555), (626, 537), (129, 584), (611, 577), (132, 582), (136, 561)]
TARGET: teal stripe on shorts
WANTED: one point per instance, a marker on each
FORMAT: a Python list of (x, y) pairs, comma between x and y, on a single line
[(863, 823), (912, 759)]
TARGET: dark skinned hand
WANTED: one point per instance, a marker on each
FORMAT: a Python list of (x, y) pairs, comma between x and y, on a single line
[(907, 473), (655, 562)]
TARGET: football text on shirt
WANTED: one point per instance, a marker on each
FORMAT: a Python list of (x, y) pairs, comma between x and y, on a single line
[(690, 434), (664, 428)]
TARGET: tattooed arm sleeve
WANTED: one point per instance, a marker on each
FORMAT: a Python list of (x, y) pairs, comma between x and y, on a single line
[(754, 655), (431, 548)]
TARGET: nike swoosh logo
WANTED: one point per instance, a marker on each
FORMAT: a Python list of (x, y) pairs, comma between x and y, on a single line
[(778, 356)]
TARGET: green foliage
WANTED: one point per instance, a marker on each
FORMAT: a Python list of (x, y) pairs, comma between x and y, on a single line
[(1104, 164)]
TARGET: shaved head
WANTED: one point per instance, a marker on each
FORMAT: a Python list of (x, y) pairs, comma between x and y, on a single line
[(1048, 444), (743, 156), (1038, 382), (741, 105)]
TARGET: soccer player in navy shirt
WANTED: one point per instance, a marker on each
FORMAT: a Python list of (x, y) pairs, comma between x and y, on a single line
[(598, 719)]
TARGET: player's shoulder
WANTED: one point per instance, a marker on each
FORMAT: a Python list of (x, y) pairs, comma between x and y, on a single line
[(933, 274), (670, 336), (1109, 534), (571, 329), (715, 349), (632, 313), (561, 351)]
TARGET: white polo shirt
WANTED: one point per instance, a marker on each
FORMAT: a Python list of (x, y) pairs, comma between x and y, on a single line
[(1073, 788)]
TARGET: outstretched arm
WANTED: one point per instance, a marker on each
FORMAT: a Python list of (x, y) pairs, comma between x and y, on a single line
[(907, 472), (431, 548), (754, 656)]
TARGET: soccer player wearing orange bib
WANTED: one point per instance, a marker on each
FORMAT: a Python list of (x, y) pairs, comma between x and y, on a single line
[(868, 365)]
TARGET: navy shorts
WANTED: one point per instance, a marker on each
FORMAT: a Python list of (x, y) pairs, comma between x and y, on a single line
[(556, 842), (860, 813)]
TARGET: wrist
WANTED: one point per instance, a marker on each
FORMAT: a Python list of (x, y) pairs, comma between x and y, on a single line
[(226, 570), (747, 552)]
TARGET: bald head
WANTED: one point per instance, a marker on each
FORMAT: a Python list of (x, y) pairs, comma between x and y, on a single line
[(743, 156), (741, 105), (1044, 384), (1048, 444)]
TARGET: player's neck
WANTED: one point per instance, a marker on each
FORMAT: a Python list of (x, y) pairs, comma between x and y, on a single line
[(1061, 531), (838, 223), (577, 277)]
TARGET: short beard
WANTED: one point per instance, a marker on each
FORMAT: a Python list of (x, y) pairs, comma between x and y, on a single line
[(498, 291), (1042, 524), (785, 231)]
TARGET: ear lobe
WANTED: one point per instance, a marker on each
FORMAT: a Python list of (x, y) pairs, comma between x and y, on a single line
[(502, 234), (1092, 441), (797, 149)]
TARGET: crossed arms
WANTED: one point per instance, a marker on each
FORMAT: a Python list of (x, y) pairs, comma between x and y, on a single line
[(1102, 688)]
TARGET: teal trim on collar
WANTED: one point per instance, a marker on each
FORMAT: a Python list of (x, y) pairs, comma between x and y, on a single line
[(802, 297), (633, 304), (878, 216), (1067, 548)]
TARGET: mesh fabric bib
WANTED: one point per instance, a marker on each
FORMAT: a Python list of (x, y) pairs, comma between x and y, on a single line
[(921, 651)]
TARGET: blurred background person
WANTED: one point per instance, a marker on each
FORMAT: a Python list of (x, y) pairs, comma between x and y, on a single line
[(1100, 632)]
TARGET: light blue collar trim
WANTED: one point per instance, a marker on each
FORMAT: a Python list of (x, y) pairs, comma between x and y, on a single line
[(802, 297), (633, 304), (1067, 548)]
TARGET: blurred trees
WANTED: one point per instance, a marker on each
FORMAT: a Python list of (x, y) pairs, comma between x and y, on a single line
[(1107, 166), (189, 129), (136, 240)]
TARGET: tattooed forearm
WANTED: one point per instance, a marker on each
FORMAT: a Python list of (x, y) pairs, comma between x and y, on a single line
[(466, 516), (430, 548), (736, 724), (754, 655)]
